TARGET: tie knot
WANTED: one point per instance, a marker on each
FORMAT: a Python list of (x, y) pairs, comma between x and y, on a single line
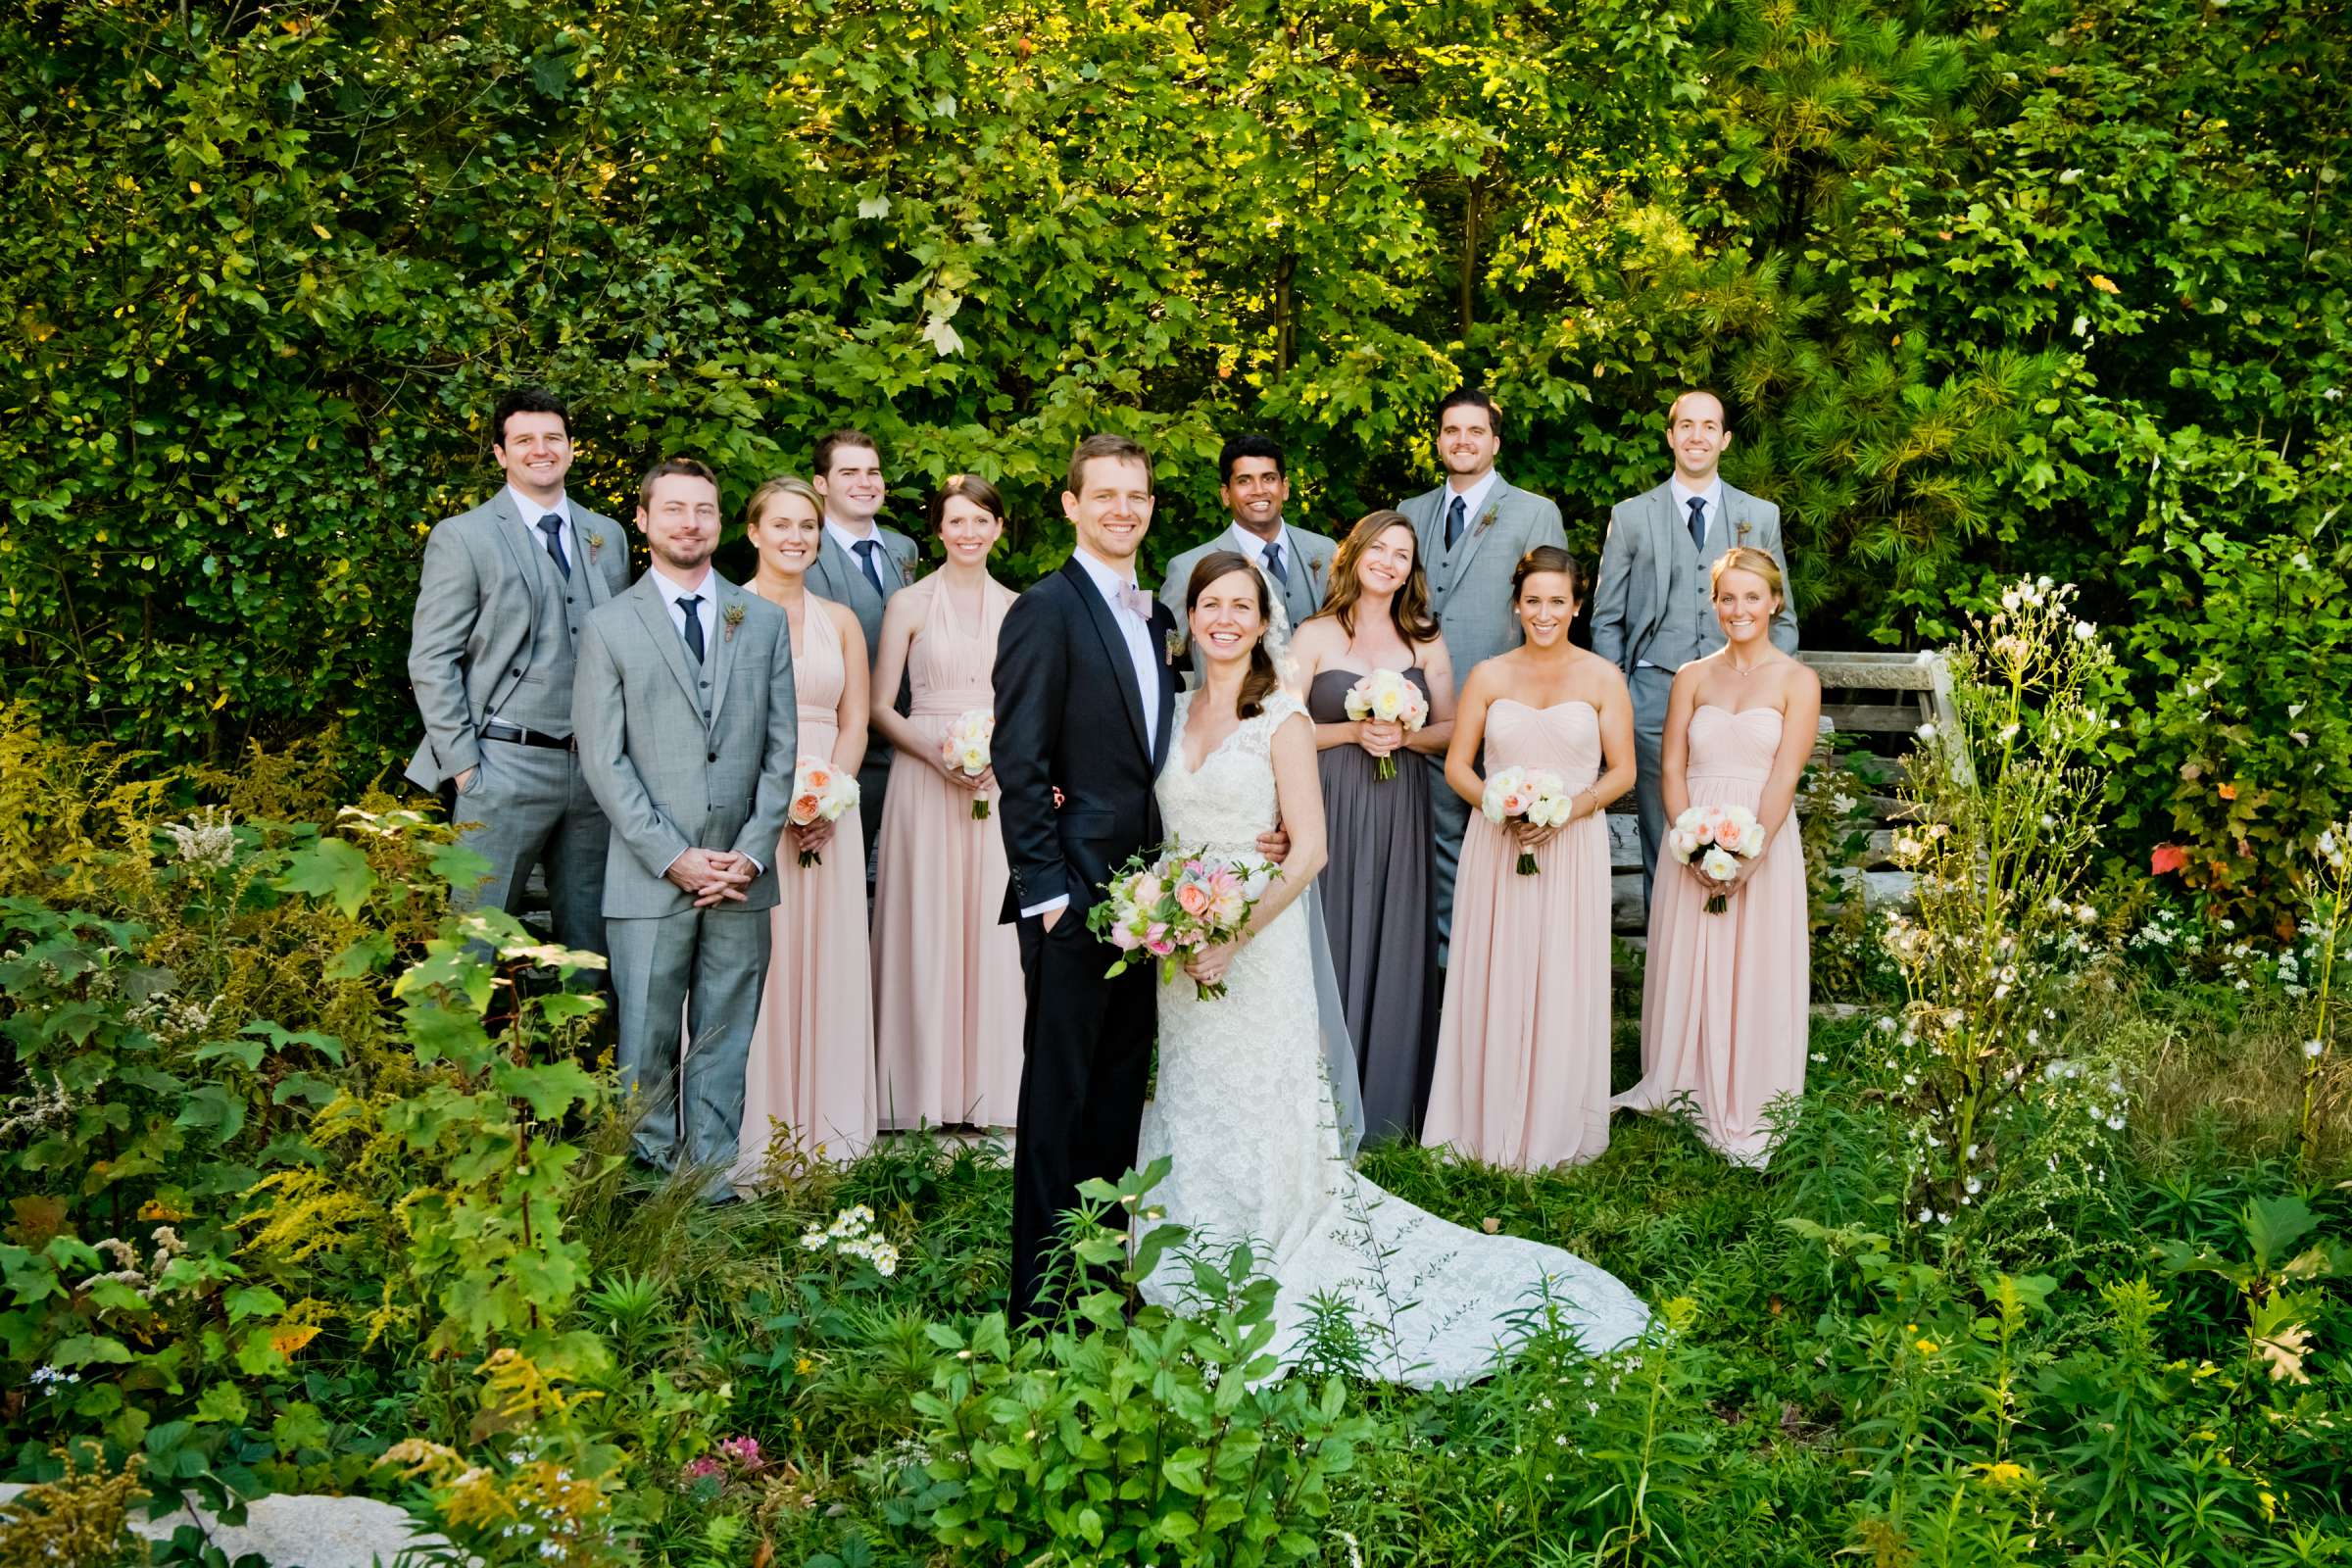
[(1697, 504), (864, 547), (551, 525), (687, 602)]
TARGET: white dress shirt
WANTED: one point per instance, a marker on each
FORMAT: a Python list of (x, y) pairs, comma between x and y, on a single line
[(1249, 543), (849, 542), (1145, 658), (707, 587), (672, 590), (1711, 513), (1473, 500), (530, 511)]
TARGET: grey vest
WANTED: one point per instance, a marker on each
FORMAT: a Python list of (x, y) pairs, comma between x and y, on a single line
[(1689, 629), (542, 699)]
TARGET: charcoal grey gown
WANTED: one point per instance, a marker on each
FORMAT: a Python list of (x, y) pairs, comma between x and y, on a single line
[(1376, 907)]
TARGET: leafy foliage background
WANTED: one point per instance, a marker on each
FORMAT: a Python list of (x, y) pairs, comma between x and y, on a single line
[(2046, 286)]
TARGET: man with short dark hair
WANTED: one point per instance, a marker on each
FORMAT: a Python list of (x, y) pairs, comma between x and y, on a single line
[(688, 727), (1652, 603), (1254, 486), (1473, 529), (860, 564), (502, 593)]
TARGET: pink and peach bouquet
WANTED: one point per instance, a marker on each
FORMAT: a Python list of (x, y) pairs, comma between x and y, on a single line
[(820, 792), (1718, 838), (1173, 903), (1528, 795), (965, 749), (1386, 697)]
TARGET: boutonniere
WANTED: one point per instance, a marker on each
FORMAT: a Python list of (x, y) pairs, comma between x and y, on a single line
[(1740, 536), (733, 616), (1486, 518), (596, 542), (1175, 643)]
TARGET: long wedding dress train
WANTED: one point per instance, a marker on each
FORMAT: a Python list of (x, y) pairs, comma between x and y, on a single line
[(1244, 1107)]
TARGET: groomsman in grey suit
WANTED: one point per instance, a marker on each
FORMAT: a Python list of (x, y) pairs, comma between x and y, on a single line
[(502, 594), (1254, 489), (1652, 605), (860, 564), (687, 727), (1473, 529)]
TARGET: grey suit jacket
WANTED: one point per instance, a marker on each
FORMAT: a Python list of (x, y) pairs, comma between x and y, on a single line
[(1637, 563), (1306, 555), (668, 779), (836, 577), (1472, 597), (479, 630)]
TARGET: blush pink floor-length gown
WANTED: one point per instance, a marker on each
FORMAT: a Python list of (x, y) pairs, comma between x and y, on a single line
[(948, 995), (1523, 1042), (1723, 1017), (811, 1063)]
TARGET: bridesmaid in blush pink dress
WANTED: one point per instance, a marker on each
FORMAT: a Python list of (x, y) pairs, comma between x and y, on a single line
[(1523, 1042), (811, 1065), (1724, 1016), (948, 991)]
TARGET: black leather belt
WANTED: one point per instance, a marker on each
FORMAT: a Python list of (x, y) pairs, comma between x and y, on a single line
[(498, 729)]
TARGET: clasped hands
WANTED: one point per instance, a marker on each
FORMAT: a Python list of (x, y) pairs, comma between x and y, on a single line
[(713, 876)]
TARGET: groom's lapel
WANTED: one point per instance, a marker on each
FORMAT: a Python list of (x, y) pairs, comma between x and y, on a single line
[(1114, 649), (1163, 630), (506, 525)]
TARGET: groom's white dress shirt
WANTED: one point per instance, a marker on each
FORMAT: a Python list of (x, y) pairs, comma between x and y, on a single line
[(1145, 659)]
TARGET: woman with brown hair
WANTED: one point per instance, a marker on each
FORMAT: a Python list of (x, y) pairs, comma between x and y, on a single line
[(948, 1004), (1375, 890)]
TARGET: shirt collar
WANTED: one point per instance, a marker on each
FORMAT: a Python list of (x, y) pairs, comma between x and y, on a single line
[(530, 511), (672, 589), (1108, 578), (1250, 545), (849, 541), (1683, 494), (1474, 499)]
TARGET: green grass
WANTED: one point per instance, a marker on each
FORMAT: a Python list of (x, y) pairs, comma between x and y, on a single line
[(1795, 1416)]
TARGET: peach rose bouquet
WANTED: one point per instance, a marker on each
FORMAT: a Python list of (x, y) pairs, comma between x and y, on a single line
[(820, 792), (965, 749), (1717, 837), (1528, 794), (1173, 903)]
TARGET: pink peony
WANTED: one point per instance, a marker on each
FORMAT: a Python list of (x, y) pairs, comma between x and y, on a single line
[(1124, 938)]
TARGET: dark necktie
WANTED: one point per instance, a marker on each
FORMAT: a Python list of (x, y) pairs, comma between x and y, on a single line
[(1453, 522), (553, 527), (867, 549), (1282, 574), (1698, 521), (690, 603)]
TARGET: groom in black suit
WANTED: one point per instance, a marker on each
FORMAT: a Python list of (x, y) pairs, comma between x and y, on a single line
[(1084, 700)]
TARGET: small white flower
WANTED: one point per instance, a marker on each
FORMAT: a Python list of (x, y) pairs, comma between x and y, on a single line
[(2312, 1049), (1927, 731), (2085, 631)]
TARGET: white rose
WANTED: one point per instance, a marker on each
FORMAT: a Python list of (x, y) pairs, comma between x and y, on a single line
[(1752, 840), (1719, 865)]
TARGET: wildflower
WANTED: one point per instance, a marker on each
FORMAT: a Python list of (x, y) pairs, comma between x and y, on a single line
[(2312, 1049), (205, 841), (2085, 631)]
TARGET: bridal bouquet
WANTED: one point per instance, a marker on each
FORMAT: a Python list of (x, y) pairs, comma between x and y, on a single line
[(1532, 794), (1386, 697), (1719, 838), (820, 792), (1175, 902), (965, 748)]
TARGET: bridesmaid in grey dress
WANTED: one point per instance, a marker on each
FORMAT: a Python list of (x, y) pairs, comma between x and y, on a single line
[(1376, 888)]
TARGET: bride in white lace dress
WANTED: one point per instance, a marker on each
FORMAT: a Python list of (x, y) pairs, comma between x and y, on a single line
[(1245, 1104)]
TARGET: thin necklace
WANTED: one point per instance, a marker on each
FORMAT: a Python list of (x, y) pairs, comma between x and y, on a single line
[(1733, 664)]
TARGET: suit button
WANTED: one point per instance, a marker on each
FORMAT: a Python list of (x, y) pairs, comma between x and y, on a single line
[(705, 685), (713, 756)]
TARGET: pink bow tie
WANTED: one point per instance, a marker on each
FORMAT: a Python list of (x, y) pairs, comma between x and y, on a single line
[(1135, 602)]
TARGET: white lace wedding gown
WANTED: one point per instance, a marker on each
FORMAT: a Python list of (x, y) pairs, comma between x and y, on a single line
[(1244, 1108)]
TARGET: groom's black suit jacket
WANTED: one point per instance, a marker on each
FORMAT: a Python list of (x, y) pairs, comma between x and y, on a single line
[(1068, 715)]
